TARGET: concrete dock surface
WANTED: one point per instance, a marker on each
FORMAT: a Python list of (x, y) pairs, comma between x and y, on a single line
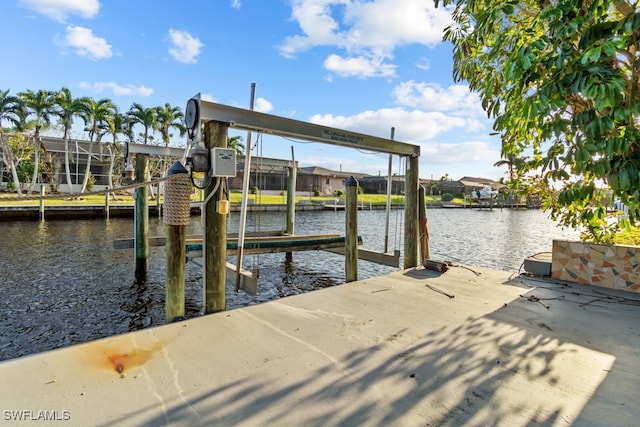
[(471, 346)]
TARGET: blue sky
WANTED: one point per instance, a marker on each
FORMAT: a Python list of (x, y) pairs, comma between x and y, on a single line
[(361, 65)]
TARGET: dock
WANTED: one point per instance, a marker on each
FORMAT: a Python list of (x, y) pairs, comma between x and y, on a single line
[(471, 346), (52, 211)]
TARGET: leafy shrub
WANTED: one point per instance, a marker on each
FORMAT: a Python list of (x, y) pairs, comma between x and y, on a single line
[(447, 197), (91, 181)]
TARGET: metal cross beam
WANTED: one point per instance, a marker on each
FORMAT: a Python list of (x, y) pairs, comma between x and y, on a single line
[(240, 118)]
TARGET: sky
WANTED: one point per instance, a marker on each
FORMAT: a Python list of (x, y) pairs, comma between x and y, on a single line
[(359, 65)]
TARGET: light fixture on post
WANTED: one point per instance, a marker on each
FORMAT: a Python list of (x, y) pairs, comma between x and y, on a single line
[(198, 158)]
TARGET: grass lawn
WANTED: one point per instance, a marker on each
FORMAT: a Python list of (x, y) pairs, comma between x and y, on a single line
[(270, 199)]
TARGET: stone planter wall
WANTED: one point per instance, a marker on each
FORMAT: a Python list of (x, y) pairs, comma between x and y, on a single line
[(609, 266)]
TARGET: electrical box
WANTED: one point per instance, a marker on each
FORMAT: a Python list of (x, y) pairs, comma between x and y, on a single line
[(223, 162)]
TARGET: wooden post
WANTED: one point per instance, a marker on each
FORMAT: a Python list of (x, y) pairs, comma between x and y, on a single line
[(42, 202), (411, 213), (177, 208), (424, 231), (158, 205), (215, 238), (291, 205), (106, 205), (141, 212), (351, 233), (176, 260)]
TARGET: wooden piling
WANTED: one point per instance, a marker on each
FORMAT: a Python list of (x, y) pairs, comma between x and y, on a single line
[(106, 205), (177, 215), (176, 260), (424, 231), (291, 205), (141, 212), (215, 239), (411, 213), (42, 203), (351, 233), (158, 204)]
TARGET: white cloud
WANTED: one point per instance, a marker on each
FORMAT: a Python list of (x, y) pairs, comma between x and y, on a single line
[(411, 126), (85, 43), (59, 10), (391, 23), (235, 4), (184, 47), (117, 89), (432, 96), (317, 24), (359, 67), (372, 29), (459, 152), (262, 105), (207, 97), (424, 64)]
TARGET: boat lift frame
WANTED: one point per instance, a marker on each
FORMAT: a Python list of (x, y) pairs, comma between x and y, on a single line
[(253, 121)]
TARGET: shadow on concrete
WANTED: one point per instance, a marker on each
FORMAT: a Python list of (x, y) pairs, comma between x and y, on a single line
[(542, 359)]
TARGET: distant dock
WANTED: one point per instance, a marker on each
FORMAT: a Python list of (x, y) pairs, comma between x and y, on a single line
[(13, 213)]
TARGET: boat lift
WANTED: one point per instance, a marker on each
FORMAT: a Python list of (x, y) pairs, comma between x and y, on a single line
[(220, 117)]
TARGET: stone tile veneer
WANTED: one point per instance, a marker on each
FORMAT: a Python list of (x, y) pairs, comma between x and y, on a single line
[(609, 266)]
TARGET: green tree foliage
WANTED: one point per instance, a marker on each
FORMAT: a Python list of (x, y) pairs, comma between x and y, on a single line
[(168, 117), (561, 80), (146, 117), (447, 197), (30, 112), (66, 108), (96, 115), (10, 111), (22, 154), (235, 143), (39, 107)]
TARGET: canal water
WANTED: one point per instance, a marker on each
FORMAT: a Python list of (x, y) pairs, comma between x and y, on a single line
[(63, 283)]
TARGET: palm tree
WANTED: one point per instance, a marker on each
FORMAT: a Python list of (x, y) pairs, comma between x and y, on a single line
[(66, 108), (40, 104), (115, 124), (137, 114), (235, 142), (512, 162), (95, 115), (168, 117), (9, 112)]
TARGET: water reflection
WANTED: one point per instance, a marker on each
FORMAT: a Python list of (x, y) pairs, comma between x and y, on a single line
[(63, 283)]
